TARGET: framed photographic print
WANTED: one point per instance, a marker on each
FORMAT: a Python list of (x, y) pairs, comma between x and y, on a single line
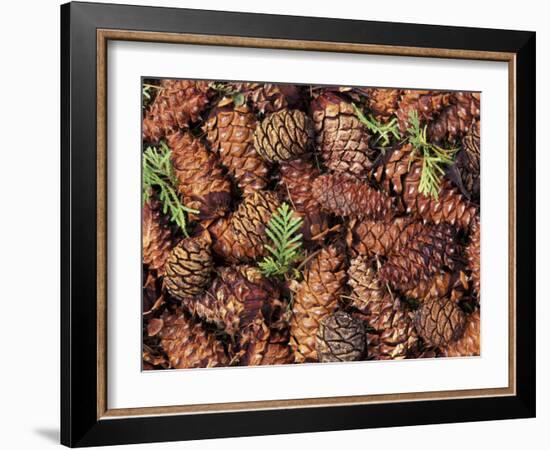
[(277, 224)]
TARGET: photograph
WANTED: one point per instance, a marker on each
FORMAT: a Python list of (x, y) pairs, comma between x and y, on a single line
[(304, 223)]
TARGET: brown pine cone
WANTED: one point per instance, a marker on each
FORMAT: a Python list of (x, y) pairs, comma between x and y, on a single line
[(456, 119), (267, 97), (188, 268), (400, 175), (340, 337), (295, 185), (368, 293), (230, 132), (341, 139), (241, 236), (390, 330), (383, 102), (283, 135), (379, 237), (469, 343), (450, 285), (237, 296), (428, 105), (439, 322), (473, 252), (178, 103), (201, 181), (343, 196), (158, 235), (468, 161), (316, 297), (187, 343), (153, 359), (426, 254), (262, 346), (152, 298)]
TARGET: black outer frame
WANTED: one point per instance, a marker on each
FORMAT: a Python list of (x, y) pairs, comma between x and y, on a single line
[(79, 423)]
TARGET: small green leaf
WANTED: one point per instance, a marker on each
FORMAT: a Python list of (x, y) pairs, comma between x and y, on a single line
[(238, 99)]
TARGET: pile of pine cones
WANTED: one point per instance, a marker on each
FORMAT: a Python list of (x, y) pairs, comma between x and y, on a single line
[(385, 271)]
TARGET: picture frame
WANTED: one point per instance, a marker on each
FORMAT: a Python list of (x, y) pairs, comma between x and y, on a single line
[(86, 30)]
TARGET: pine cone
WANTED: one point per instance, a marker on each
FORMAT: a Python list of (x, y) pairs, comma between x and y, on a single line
[(316, 297), (188, 268), (188, 344), (450, 285), (152, 360), (230, 132), (473, 252), (340, 338), (390, 330), (296, 185), (283, 135), (428, 105), (426, 254), (158, 236), (178, 103), (456, 119), (379, 237), (469, 343), (152, 298), (263, 346), (342, 196), (368, 293), (201, 181), (241, 236), (401, 176), (383, 103), (468, 162), (236, 297), (439, 322), (341, 139), (267, 97)]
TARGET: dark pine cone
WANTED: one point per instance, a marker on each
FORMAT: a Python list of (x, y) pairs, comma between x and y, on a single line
[(426, 254), (340, 337), (439, 322), (352, 198)]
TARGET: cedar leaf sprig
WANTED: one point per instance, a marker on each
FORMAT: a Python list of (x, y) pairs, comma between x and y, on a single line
[(236, 96), (384, 130), (158, 172), (282, 231), (434, 158)]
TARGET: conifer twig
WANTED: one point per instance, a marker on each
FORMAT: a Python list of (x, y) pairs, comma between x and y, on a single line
[(384, 130), (286, 242), (158, 172), (434, 158)]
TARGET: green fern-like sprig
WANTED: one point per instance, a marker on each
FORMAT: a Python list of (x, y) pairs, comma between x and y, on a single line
[(384, 131), (286, 242), (158, 172), (434, 158)]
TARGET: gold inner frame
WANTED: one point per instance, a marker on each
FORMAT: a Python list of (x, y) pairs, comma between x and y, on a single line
[(103, 36)]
